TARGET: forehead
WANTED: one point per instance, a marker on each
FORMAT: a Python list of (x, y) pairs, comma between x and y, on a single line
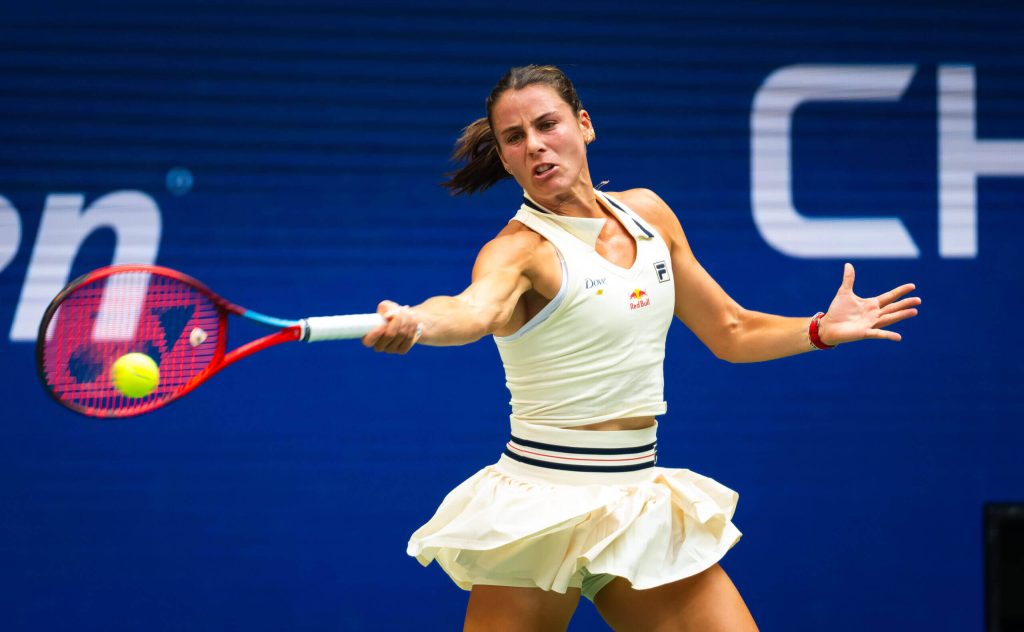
[(515, 106)]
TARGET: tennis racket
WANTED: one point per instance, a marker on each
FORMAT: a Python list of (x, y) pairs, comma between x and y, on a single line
[(174, 319)]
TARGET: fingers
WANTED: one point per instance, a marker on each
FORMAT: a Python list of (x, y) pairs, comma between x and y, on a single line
[(399, 332), (895, 317), (400, 335), (883, 334), (906, 303), (892, 295), (891, 315), (848, 275), (383, 308)]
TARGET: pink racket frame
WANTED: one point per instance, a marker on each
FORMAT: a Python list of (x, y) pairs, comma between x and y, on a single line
[(219, 360)]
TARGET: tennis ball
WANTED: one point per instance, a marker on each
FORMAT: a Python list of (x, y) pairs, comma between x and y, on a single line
[(135, 375)]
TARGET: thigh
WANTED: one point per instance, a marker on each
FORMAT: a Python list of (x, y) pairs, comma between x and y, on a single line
[(510, 609), (708, 602)]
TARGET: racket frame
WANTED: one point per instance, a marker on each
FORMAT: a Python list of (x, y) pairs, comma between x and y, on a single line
[(289, 331)]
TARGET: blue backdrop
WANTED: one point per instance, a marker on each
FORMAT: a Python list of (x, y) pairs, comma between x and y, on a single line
[(288, 155)]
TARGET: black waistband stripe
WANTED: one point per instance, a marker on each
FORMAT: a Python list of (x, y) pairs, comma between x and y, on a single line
[(576, 450), (580, 459), (578, 468)]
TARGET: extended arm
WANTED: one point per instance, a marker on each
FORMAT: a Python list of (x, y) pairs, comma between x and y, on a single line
[(500, 277), (736, 334)]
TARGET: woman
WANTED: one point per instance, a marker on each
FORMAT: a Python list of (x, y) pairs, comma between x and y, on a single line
[(578, 292)]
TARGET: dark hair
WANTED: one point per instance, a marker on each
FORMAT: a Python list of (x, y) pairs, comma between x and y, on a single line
[(478, 146)]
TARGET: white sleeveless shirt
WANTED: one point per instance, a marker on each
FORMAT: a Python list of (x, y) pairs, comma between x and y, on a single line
[(596, 351)]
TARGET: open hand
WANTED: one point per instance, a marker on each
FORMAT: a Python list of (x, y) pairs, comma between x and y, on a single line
[(851, 317)]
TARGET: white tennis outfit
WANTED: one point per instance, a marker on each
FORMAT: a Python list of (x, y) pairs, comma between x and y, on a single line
[(567, 508)]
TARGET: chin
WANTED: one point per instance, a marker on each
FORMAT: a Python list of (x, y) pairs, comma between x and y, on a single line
[(554, 187)]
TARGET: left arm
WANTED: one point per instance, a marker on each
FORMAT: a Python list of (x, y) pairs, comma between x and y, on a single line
[(736, 334)]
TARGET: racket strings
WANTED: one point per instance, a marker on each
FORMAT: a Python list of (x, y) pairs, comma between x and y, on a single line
[(165, 318)]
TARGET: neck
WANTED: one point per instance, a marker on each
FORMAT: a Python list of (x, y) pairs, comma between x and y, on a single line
[(578, 201)]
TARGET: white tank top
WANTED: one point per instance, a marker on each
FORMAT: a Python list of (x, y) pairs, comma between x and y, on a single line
[(595, 352)]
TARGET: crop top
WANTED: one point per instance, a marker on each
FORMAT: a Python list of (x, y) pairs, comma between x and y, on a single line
[(595, 352)]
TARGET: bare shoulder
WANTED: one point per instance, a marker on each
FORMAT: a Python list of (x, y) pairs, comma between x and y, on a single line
[(515, 248), (513, 242), (651, 207)]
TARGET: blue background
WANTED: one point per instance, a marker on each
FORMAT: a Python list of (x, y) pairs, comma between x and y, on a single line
[(281, 494)]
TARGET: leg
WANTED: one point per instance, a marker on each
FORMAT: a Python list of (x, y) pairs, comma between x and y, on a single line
[(708, 602), (508, 609)]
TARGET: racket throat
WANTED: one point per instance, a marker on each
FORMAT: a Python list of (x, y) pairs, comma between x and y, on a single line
[(288, 334)]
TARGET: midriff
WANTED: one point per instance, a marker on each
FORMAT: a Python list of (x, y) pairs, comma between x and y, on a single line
[(629, 423)]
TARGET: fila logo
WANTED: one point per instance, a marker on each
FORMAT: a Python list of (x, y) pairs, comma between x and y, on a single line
[(662, 270)]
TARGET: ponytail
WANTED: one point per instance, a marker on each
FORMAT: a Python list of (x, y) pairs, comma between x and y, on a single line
[(478, 148)]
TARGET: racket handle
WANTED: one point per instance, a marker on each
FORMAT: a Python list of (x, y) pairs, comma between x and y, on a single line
[(320, 328)]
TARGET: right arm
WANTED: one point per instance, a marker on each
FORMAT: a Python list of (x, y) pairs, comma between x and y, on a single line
[(501, 275)]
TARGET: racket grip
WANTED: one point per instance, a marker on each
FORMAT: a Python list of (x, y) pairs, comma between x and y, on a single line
[(320, 328)]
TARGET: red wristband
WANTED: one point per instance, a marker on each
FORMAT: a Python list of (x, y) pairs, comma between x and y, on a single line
[(812, 332)]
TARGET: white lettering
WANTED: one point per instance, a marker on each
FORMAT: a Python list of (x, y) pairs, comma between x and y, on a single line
[(962, 158), (121, 308), (135, 219), (776, 217), (10, 232)]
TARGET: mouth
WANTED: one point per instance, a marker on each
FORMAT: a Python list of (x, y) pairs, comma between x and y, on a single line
[(543, 170)]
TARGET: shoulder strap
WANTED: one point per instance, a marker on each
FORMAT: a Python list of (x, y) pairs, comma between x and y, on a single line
[(646, 230), (548, 229)]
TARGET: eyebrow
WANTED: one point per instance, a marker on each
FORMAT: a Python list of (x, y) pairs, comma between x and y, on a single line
[(515, 127)]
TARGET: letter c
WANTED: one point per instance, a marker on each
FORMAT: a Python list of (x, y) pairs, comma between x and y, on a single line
[(776, 217)]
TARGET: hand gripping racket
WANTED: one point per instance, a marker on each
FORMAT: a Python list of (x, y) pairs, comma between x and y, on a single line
[(172, 318)]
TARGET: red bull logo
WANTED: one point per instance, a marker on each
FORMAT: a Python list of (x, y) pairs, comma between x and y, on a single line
[(638, 298)]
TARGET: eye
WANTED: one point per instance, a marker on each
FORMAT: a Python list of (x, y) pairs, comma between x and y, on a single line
[(512, 139), (548, 125)]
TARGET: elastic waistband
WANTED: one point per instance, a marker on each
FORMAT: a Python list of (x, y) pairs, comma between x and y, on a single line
[(606, 451)]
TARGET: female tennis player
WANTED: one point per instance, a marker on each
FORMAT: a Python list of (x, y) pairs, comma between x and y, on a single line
[(578, 291)]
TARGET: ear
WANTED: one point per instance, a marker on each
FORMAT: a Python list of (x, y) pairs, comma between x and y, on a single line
[(586, 127)]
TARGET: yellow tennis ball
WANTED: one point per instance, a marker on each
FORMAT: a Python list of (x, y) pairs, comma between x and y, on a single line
[(135, 375)]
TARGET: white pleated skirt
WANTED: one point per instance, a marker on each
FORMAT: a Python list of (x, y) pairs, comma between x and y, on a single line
[(562, 503)]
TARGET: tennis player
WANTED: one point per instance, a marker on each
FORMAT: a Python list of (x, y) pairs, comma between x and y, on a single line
[(578, 291)]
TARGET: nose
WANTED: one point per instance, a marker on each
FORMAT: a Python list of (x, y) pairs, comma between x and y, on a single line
[(534, 143)]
